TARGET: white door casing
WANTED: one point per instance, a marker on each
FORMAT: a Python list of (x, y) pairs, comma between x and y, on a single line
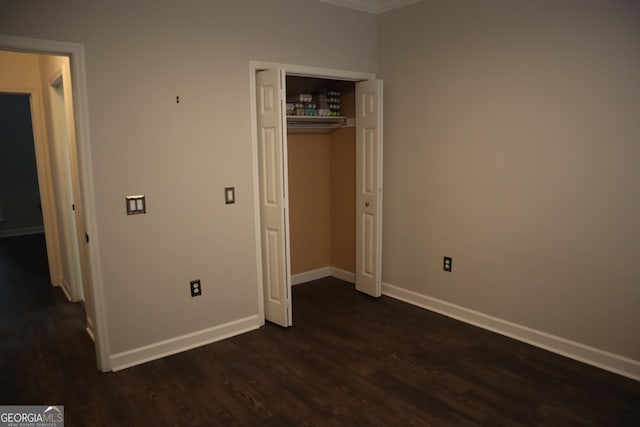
[(369, 187), (79, 213), (60, 139), (274, 221), (264, 271), (80, 100), (61, 79)]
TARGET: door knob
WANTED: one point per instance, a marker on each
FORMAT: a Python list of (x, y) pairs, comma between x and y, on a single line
[(366, 204)]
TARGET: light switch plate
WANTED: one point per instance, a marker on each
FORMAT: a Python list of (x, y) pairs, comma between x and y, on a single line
[(229, 195), (136, 205)]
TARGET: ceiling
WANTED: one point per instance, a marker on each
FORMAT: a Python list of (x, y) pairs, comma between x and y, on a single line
[(371, 6)]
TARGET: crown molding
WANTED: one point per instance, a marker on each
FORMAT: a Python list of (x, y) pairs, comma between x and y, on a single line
[(387, 5), (371, 6)]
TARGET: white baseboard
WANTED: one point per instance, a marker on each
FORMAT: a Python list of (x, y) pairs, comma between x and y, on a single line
[(175, 345), (25, 231), (90, 329), (308, 276), (65, 289), (90, 333), (574, 350), (323, 272), (341, 274)]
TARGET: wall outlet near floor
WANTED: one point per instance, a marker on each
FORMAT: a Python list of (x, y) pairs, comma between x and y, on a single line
[(196, 288), (447, 264)]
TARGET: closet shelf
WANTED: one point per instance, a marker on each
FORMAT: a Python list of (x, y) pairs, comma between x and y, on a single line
[(315, 123)]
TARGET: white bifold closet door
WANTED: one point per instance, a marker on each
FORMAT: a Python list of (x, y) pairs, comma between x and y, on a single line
[(274, 209), (369, 187)]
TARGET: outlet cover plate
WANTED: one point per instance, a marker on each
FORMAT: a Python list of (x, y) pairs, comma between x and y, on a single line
[(196, 288), (447, 264)]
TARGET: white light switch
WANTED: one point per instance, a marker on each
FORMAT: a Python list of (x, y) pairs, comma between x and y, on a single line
[(136, 205), (229, 195)]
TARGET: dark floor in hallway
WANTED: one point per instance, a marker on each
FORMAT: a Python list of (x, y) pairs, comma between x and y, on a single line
[(348, 360)]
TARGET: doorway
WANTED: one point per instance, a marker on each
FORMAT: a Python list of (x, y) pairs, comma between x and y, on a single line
[(20, 210), (15, 79), (271, 179), (321, 176), (53, 156)]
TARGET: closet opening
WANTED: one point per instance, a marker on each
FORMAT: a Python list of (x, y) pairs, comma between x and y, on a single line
[(318, 170), (321, 175)]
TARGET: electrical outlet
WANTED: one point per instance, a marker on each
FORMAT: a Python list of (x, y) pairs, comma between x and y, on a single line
[(196, 288), (447, 265)]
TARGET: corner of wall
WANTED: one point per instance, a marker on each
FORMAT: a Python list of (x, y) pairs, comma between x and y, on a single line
[(571, 349)]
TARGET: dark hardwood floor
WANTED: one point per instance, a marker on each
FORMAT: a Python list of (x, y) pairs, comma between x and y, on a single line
[(348, 360)]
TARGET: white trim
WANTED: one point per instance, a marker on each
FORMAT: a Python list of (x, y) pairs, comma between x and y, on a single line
[(256, 191), (25, 231), (65, 289), (574, 350), (285, 194), (387, 5), (80, 97), (90, 328), (308, 71), (308, 276), (321, 273), (90, 333), (370, 6), (341, 274), (182, 343), (60, 76), (361, 5), (289, 69)]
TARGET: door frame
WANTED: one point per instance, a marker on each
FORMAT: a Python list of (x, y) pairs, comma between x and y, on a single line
[(290, 70), (43, 172), (59, 77), (63, 75), (76, 54)]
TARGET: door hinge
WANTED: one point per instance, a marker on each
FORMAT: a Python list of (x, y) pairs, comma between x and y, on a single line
[(73, 206), (86, 237), (282, 95)]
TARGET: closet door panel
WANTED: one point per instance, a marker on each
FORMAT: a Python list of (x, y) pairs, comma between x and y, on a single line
[(272, 164), (369, 187)]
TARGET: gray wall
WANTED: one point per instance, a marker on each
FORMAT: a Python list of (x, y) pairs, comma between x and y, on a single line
[(19, 193), (512, 144), (141, 55)]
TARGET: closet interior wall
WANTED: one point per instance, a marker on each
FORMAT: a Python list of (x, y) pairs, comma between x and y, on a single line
[(321, 177)]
